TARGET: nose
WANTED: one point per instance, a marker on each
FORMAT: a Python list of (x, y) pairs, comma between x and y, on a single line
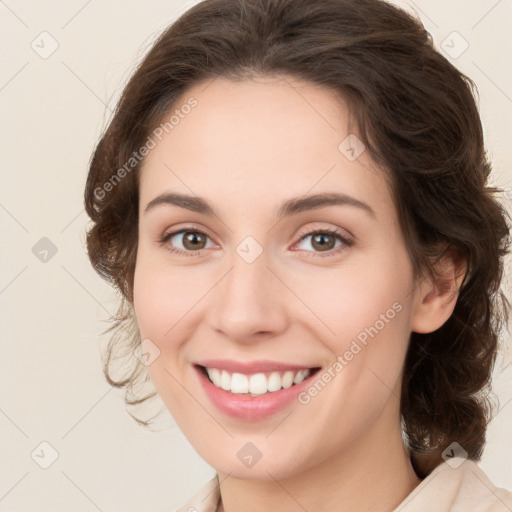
[(249, 302)]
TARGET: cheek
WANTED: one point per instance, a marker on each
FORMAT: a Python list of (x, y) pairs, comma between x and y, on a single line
[(168, 303), (163, 296), (159, 308), (359, 298), (366, 308)]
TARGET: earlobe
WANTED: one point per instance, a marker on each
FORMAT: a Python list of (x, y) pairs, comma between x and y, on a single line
[(437, 295)]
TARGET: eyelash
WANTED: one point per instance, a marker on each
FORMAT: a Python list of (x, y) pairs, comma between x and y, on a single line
[(323, 231), (326, 231)]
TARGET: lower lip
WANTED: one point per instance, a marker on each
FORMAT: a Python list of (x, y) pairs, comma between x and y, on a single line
[(250, 407)]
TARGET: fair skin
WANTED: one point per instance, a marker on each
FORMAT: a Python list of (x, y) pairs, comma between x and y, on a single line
[(246, 148)]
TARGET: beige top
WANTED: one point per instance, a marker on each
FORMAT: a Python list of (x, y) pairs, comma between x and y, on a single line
[(448, 488)]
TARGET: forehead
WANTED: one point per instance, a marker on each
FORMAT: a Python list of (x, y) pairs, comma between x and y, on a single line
[(260, 140)]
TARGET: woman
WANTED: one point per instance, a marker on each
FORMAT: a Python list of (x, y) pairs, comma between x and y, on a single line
[(291, 198)]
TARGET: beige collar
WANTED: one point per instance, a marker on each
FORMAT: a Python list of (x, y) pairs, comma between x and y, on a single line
[(456, 487)]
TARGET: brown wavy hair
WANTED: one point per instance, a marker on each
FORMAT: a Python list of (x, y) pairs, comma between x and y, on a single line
[(418, 117)]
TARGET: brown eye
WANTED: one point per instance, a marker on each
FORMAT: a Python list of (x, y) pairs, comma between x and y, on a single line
[(187, 241), (193, 240), (323, 242)]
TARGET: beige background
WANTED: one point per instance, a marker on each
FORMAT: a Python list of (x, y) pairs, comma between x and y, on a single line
[(52, 389)]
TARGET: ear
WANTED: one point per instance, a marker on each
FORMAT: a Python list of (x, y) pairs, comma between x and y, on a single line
[(437, 295)]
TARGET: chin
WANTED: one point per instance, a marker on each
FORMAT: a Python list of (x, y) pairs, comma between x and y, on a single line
[(257, 461)]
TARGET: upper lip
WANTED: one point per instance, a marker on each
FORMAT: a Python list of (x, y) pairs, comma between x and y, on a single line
[(251, 367)]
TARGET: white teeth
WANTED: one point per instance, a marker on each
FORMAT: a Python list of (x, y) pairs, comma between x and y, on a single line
[(225, 380), (288, 380), (300, 376), (274, 382), (256, 384), (214, 375), (239, 383)]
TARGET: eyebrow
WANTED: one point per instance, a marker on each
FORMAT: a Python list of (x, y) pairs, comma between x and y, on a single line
[(289, 207)]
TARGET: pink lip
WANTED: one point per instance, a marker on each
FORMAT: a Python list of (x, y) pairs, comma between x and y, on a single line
[(250, 367), (250, 408)]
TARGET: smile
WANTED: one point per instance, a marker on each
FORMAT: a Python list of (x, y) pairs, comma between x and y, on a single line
[(257, 383), (252, 391)]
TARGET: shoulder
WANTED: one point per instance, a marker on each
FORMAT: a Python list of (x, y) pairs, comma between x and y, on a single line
[(457, 486), (205, 500)]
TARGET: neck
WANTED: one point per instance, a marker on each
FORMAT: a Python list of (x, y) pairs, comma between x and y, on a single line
[(373, 474)]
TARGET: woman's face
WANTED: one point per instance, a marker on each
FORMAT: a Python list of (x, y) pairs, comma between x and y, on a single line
[(304, 335)]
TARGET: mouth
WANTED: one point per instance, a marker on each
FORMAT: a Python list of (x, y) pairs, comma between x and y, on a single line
[(258, 383), (253, 391)]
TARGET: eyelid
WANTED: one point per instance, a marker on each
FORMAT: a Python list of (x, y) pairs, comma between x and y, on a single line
[(163, 239), (347, 241), (349, 238)]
